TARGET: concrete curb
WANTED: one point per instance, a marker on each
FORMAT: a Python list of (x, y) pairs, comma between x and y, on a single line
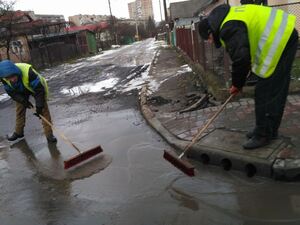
[(156, 124), (204, 153), (268, 163)]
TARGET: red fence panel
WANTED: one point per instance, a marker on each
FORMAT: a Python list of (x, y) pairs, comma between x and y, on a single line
[(202, 52)]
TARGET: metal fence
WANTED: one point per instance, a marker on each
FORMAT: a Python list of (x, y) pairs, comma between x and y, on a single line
[(52, 54), (293, 8), (199, 51)]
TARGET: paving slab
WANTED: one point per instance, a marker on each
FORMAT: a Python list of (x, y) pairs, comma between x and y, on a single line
[(221, 144)]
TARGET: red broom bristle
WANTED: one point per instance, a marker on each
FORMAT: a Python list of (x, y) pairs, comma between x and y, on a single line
[(81, 157), (181, 164)]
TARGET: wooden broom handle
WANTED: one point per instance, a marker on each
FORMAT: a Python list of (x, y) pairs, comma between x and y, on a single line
[(195, 138), (58, 131)]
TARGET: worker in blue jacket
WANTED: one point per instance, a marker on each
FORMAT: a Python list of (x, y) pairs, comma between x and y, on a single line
[(261, 40), (21, 81)]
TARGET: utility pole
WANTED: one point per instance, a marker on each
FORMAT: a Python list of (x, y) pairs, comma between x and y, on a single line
[(167, 22), (109, 8), (160, 11), (136, 25), (112, 23), (136, 30), (137, 8), (166, 12)]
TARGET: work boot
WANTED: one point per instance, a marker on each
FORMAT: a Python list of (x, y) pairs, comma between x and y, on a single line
[(250, 134), (51, 138), (256, 142), (15, 136)]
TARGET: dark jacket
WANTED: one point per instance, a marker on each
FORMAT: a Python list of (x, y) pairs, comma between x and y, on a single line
[(20, 94), (234, 34)]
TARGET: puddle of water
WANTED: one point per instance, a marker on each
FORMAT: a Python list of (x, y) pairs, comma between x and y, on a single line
[(90, 87), (49, 162), (53, 168), (3, 163)]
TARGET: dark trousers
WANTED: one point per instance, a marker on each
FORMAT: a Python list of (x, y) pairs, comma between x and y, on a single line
[(271, 93)]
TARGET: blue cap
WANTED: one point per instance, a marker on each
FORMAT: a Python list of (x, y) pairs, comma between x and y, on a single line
[(8, 68)]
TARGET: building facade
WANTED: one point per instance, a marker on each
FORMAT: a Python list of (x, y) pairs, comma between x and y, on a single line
[(50, 18), (141, 9), (79, 20), (132, 10)]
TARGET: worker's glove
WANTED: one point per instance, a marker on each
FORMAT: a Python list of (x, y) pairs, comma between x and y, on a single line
[(27, 104), (38, 112), (234, 90)]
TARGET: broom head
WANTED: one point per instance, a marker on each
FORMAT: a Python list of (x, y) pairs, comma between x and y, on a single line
[(82, 156), (181, 164)]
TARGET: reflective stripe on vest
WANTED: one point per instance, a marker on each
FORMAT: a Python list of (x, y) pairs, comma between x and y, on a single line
[(24, 67), (268, 29)]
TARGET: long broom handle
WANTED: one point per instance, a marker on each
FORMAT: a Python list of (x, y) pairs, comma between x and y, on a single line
[(58, 131), (195, 138)]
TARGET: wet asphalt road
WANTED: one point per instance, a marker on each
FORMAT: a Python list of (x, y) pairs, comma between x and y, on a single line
[(94, 101)]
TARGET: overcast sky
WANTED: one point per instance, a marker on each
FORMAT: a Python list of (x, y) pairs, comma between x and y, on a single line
[(74, 7)]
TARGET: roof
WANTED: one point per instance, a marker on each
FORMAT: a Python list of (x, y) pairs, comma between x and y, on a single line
[(186, 21), (15, 16), (187, 9), (53, 35), (90, 27)]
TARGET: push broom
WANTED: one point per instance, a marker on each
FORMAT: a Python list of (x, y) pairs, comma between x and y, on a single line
[(182, 164), (81, 156)]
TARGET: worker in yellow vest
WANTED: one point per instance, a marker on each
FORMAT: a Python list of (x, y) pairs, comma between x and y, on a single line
[(262, 40), (21, 81)]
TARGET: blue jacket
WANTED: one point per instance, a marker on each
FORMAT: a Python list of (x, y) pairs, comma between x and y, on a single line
[(8, 68), (19, 93)]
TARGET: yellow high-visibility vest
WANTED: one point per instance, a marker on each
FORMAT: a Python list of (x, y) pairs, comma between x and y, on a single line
[(24, 67), (269, 30)]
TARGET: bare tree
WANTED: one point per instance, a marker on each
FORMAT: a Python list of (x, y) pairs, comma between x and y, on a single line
[(7, 19), (151, 29), (6, 6), (125, 31)]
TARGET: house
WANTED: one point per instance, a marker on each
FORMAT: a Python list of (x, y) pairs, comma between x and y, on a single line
[(50, 18), (47, 50), (101, 33), (184, 15), (79, 20), (18, 49), (13, 39), (16, 29), (187, 9)]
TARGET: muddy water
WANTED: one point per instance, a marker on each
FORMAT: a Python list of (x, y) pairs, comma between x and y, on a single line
[(130, 183)]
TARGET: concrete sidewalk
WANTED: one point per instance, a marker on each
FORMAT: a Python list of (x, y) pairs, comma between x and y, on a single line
[(222, 143)]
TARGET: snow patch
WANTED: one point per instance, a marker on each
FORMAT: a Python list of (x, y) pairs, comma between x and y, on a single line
[(108, 52), (138, 82), (153, 86), (4, 97), (184, 69), (91, 87)]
